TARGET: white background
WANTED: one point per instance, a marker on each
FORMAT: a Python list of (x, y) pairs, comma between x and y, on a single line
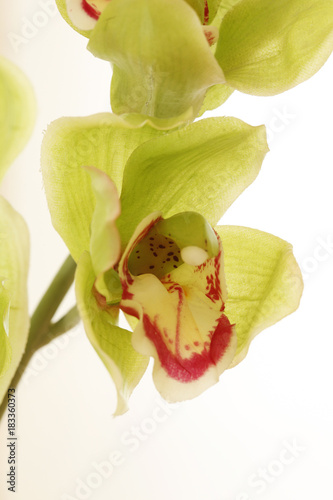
[(280, 396)]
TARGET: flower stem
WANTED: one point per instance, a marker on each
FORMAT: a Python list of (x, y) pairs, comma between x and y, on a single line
[(46, 309), (40, 324), (62, 326)]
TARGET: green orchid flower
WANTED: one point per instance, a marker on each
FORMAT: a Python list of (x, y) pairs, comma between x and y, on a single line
[(180, 58), (195, 293), (17, 113), (17, 105), (14, 317)]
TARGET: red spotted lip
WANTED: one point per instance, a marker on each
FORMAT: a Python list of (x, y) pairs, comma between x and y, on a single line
[(94, 13), (189, 370)]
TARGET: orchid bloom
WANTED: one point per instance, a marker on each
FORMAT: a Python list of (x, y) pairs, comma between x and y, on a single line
[(195, 293), (17, 105), (16, 121), (180, 58)]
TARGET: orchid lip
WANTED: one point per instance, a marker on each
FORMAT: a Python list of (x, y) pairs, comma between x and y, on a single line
[(181, 313)]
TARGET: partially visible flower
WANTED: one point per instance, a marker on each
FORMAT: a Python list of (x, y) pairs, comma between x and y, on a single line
[(166, 269), (14, 315), (17, 105), (84, 14), (163, 66)]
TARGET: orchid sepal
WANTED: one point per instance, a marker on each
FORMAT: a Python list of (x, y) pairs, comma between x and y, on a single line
[(112, 343), (264, 282), (285, 43)]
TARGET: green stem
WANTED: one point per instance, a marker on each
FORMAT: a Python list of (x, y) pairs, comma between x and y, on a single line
[(66, 323), (42, 317)]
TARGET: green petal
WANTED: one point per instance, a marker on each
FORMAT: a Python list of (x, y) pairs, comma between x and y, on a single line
[(17, 113), (14, 261), (112, 344), (202, 168), (263, 279), (215, 97), (162, 62), (105, 243), (199, 7), (213, 8), (104, 141), (223, 7), (206, 9), (266, 47)]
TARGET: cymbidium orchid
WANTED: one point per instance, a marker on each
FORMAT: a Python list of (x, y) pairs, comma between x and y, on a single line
[(17, 112), (196, 293), (180, 58)]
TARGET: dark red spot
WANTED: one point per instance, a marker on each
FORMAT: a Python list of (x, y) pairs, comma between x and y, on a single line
[(213, 282), (175, 258)]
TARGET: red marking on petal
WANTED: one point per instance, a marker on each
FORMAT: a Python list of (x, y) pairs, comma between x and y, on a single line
[(206, 13), (213, 281), (190, 369), (101, 302), (100, 299), (211, 37), (221, 338), (130, 311), (196, 343), (127, 295), (179, 311), (90, 10)]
